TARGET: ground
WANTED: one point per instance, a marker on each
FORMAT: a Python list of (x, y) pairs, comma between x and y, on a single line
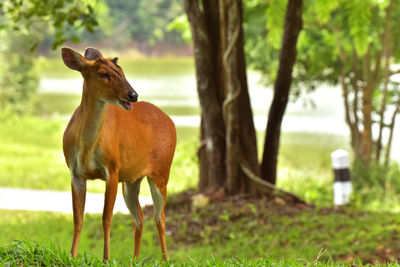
[(240, 228), (244, 227)]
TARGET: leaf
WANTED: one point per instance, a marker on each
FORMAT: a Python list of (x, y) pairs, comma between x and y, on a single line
[(324, 8), (275, 19), (75, 39), (33, 47), (359, 19)]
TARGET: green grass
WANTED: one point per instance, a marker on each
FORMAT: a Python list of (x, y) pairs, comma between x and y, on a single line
[(29, 253), (247, 233), (304, 165), (31, 156), (35, 254), (48, 104)]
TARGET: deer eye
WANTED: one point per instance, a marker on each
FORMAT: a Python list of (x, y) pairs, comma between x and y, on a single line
[(103, 75)]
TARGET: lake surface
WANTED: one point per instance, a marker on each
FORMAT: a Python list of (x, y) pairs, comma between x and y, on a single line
[(171, 85)]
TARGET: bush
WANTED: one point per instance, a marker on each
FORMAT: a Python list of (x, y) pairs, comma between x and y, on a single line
[(376, 187), (18, 77)]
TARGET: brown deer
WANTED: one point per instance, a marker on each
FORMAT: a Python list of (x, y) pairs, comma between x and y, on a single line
[(114, 138)]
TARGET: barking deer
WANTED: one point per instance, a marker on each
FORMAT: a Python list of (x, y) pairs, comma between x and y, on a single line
[(114, 138)]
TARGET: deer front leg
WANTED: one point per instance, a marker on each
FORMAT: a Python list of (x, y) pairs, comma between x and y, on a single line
[(78, 186), (109, 200)]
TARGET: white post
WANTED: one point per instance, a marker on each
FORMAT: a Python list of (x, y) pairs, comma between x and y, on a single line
[(342, 187)]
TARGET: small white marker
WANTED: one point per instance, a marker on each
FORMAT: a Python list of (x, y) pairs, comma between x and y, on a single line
[(342, 187)]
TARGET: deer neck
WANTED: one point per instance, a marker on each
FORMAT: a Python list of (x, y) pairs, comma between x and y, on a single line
[(91, 121)]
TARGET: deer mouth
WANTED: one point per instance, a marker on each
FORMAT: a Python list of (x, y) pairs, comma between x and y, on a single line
[(127, 105)]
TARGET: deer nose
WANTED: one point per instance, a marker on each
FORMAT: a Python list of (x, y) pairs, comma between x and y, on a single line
[(132, 96)]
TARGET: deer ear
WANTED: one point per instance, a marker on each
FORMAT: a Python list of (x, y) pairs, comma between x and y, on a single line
[(72, 59), (92, 53), (115, 61)]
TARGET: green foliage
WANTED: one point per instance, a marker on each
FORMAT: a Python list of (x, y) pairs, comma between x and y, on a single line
[(21, 16), (180, 24), (358, 20), (324, 8), (353, 25), (142, 22), (376, 186), (23, 26), (275, 15), (18, 76), (310, 175)]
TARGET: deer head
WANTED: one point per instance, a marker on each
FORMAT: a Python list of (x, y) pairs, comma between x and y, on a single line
[(104, 78)]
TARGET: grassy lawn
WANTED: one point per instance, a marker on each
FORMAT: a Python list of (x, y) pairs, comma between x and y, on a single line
[(245, 230), (31, 156), (27, 253)]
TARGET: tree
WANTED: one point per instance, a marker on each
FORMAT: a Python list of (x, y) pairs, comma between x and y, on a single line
[(143, 23), (228, 156), (287, 58), (23, 25), (217, 34), (351, 43), (22, 16), (370, 96)]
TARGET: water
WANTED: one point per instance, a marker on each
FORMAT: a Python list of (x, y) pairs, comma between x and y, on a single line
[(171, 85), (179, 91)]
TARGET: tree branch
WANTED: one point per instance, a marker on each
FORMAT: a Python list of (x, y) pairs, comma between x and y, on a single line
[(394, 72), (350, 122), (265, 186), (389, 143), (356, 88), (192, 9), (387, 52), (230, 97)]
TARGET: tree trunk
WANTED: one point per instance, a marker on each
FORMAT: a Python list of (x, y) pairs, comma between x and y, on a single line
[(241, 136), (235, 178), (217, 30), (248, 137), (203, 161), (366, 136), (387, 54), (206, 38), (228, 152), (287, 58)]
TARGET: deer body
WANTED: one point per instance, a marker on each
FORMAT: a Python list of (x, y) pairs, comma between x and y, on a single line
[(142, 132), (104, 141)]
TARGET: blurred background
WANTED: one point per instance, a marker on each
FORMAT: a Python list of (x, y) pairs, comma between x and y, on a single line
[(345, 75)]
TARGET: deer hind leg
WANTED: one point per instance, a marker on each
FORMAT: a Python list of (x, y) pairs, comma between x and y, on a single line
[(109, 201), (131, 196), (78, 186), (159, 195)]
